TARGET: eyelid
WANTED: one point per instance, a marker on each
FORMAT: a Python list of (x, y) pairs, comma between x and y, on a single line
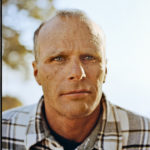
[(82, 57), (90, 56), (59, 56)]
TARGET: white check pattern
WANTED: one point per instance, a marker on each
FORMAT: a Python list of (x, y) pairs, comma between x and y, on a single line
[(25, 128)]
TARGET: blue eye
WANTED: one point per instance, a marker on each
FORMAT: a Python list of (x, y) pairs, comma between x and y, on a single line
[(58, 58), (87, 57)]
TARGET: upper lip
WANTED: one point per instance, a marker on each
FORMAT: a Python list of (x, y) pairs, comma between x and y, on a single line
[(76, 92)]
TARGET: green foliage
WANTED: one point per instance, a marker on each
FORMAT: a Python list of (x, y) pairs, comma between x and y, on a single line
[(13, 51), (9, 102)]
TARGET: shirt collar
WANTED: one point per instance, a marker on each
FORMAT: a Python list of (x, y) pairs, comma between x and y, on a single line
[(110, 129), (35, 130), (38, 130)]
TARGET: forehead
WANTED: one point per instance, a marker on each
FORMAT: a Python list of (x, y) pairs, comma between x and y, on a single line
[(62, 27), (69, 32)]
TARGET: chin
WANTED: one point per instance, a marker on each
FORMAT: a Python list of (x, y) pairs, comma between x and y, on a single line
[(76, 109), (77, 114)]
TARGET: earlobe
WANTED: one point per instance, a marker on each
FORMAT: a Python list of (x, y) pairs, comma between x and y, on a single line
[(105, 71), (35, 71), (105, 75)]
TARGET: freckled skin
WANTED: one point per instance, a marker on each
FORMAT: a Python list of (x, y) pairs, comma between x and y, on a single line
[(73, 39)]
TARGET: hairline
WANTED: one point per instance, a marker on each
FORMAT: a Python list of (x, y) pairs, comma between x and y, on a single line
[(73, 13)]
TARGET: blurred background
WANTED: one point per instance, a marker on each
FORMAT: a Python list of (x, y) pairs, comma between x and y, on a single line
[(126, 24)]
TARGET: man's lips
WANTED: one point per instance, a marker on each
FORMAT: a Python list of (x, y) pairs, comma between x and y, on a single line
[(76, 92)]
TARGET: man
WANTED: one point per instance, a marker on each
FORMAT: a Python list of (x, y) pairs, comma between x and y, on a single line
[(70, 65)]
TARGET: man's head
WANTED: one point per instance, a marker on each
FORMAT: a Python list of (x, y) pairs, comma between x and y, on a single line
[(70, 63)]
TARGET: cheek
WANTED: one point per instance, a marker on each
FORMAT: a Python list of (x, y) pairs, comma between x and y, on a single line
[(50, 74), (100, 75), (95, 73)]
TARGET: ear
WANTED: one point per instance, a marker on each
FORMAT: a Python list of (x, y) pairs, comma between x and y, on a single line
[(105, 75), (105, 71), (35, 71)]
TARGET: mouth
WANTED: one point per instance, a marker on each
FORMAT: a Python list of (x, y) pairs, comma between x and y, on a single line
[(77, 92)]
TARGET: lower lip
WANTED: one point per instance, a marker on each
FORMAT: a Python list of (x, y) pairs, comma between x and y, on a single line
[(76, 94)]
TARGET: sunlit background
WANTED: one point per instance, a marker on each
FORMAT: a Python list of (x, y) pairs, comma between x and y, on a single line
[(126, 24)]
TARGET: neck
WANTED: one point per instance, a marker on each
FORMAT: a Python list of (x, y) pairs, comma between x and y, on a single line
[(76, 129)]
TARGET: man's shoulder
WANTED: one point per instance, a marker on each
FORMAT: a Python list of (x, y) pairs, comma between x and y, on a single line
[(130, 115), (133, 129), (19, 113), (128, 120), (18, 116), (133, 125), (15, 123)]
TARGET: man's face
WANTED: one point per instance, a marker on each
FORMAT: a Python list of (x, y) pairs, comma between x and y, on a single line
[(70, 68)]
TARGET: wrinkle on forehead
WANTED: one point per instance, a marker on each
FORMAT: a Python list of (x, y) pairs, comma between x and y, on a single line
[(66, 28)]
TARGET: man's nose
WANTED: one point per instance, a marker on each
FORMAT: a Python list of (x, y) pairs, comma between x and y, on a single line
[(76, 72)]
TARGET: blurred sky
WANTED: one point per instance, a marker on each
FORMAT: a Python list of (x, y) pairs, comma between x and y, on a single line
[(126, 24)]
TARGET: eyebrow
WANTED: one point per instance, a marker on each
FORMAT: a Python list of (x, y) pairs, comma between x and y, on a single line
[(49, 57), (56, 52)]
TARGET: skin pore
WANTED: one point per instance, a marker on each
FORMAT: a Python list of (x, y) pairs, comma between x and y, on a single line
[(71, 69)]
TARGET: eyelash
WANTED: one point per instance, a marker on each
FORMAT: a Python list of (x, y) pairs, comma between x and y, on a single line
[(58, 58), (63, 58), (87, 57)]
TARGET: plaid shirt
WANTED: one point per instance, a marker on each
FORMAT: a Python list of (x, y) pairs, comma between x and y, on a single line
[(25, 128)]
